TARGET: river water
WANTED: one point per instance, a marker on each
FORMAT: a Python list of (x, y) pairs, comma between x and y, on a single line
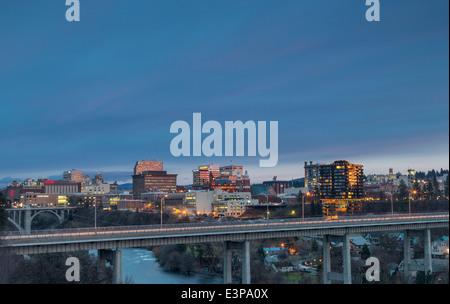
[(140, 265)]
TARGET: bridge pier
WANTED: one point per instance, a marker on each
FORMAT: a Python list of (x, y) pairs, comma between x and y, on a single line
[(407, 266), (228, 247), (27, 221), (346, 276), (114, 257)]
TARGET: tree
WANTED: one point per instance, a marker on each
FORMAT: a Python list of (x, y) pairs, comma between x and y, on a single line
[(314, 246), (365, 252), (429, 191), (312, 208), (425, 278), (299, 197), (187, 264), (436, 190), (403, 192)]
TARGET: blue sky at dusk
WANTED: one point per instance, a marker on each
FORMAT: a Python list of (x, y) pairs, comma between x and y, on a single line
[(101, 93)]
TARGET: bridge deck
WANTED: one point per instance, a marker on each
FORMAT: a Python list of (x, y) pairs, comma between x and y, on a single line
[(134, 236)]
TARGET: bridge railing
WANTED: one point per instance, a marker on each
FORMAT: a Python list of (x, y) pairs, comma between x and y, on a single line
[(198, 227)]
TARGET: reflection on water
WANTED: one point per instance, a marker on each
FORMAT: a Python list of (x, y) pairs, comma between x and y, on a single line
[(142, 267)]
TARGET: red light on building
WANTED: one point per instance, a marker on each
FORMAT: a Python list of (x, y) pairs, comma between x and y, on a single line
[(49, 182), (12, 193)]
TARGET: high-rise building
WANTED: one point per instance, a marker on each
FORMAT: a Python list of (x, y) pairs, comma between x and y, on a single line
[(147, 165), (277, 185), (203, 176), (73, 176), (341, 180), (339, 185), (411, 177), (231, 172), (227, 178), (311, 176), (153, 181), (98, 179), (62, 187)]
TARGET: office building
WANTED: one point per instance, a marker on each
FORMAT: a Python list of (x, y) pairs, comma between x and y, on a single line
[(311, 176), (231, 172), (62, 187), (277, 185), (147, 165), (339, 185), (203, 176), (149, 181), (73, 175), (341, 180), (96, 189)]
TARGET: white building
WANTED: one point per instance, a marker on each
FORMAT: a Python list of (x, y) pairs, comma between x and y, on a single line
[(439, 248), (96, 189), (218, 201)]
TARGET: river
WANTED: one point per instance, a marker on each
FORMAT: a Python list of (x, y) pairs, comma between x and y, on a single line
[(140, 265)]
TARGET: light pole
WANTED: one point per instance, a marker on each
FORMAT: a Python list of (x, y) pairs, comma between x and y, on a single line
[(303, 204), (162, 197), (392, 201), (409, 199), (267, 206)]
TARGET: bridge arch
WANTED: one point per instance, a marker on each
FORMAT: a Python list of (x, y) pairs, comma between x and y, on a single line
[(15, 225), (22, 218)]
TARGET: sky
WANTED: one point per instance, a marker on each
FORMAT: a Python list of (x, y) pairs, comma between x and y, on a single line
[(102, 93)]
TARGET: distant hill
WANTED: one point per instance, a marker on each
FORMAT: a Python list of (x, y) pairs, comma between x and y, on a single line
[(125, 186)]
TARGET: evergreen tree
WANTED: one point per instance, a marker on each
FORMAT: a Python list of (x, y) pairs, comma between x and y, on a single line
[(425, 278), (299, 197), (313, 208), (314, 246), (365, 252), (417, 189), (429, 191), (436, 190), (403, 192)]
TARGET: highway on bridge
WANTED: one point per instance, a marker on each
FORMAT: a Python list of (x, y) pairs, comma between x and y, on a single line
[(139, 236)]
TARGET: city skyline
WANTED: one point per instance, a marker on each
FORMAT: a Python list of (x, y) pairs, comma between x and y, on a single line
[(185, 176), (101, 93)]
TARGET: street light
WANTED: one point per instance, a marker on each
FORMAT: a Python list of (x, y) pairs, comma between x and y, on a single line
[(95, 215), (162, 197), (267, 206), (392, 201), (409, 200), (303, 204)]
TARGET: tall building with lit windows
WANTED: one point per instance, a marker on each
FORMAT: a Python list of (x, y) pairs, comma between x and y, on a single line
[(73, 175), (147, 165), (311, 176), (149, 176), (203, 176), (341, 180), (339, 185)]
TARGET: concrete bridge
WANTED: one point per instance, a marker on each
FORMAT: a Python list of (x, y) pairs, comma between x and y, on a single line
[(21, 218), (236, 235)]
